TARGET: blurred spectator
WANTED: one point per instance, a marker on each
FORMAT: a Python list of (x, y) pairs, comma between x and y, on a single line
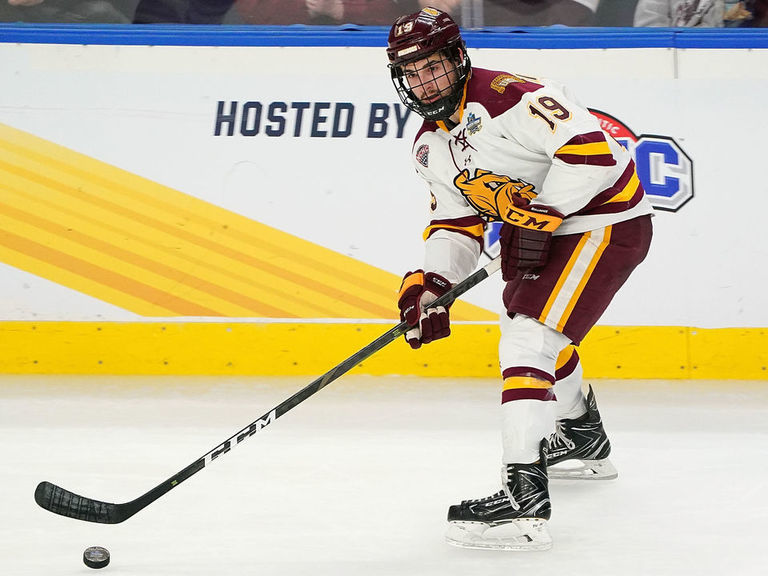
[(63, 11), (613, 13), (680, 13), (539, 12), (334, 12), (279, 12), (181, 11), (746, 14), (759, 9)]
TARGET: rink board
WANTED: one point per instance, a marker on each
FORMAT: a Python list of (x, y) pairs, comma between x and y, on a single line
[(275, 349), (259, 222)]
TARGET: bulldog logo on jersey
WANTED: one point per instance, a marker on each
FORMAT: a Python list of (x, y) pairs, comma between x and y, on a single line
[(422, 155), (492, 195)]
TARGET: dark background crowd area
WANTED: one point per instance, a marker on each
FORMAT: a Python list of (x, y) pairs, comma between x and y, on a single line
[(470, 13)]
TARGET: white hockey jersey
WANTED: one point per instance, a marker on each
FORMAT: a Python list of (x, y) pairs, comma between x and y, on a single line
[(522, 137)]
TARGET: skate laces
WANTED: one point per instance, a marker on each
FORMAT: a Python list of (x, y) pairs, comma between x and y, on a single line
[(490, 498), (560, 440)]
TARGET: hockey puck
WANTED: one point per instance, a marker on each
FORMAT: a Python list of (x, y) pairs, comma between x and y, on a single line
[(96, 557)]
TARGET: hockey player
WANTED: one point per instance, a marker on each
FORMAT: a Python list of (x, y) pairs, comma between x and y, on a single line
[(498, 146)]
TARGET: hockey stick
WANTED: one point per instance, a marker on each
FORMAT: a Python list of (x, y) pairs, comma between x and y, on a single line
[(66, 503)]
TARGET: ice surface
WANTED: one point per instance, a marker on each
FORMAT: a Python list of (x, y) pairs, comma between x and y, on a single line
[(357, 480)]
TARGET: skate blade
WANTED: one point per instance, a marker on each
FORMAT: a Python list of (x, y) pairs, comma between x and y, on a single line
[(583, 470), (525, 534)]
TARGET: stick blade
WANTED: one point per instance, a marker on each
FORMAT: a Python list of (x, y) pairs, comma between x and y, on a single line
[(65, 503)]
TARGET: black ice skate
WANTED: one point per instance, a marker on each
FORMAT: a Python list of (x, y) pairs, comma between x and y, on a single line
[(515, 518), (579, 448)]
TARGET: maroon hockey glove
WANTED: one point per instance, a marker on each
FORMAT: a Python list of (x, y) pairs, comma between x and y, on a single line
[(522, 249), (417, 292)]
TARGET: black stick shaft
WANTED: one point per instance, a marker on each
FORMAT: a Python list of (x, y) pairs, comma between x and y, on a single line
[(66, 503)]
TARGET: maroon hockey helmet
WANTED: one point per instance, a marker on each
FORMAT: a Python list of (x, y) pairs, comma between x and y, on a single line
[(418, 36)]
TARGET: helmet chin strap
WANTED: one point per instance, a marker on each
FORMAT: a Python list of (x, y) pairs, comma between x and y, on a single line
[(451, 102), (438, 114)]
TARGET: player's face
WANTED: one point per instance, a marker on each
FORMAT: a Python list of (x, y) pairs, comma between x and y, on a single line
[(431, 78)]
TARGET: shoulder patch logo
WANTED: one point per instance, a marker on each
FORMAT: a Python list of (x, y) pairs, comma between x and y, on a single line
[(501, 82), (422, 155), (474, 124), (432, 202)]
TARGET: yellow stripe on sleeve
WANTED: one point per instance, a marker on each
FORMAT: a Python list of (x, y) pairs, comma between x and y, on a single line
[(588, 149), (476, 230), (627, 192)]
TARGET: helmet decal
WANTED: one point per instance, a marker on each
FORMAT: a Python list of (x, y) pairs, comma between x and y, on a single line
[(409, 50), (403, 29)]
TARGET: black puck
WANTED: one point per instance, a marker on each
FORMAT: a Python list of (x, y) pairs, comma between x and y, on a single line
[(96, 557)]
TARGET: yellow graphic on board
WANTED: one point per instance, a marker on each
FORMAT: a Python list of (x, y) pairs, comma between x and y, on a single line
[(158, 252)]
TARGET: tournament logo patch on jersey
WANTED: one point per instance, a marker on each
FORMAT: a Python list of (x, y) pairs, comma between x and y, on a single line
[(663, 167), (422, 155), (474, 124)]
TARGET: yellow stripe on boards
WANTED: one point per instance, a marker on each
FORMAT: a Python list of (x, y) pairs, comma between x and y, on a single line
[(135, 240), (291, 349), (155, 251), (183, 241), (108, 264), (274, 348), (50, 262)]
